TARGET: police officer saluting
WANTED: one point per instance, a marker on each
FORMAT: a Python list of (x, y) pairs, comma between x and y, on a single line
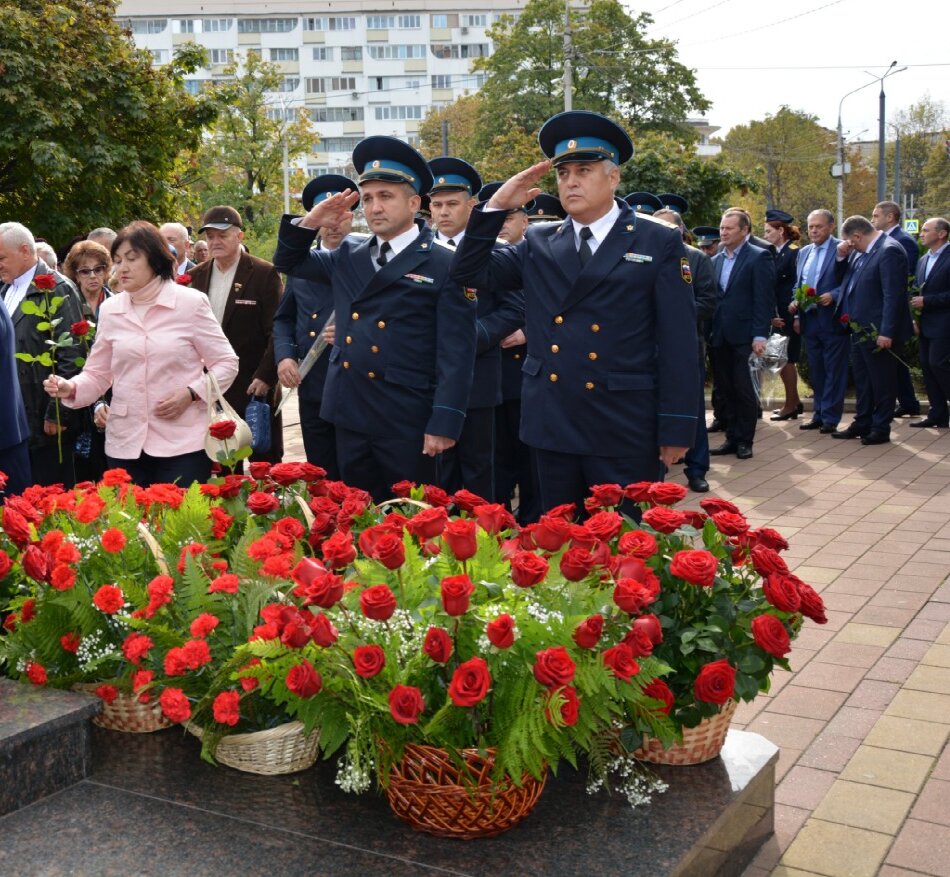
[(400, 370), (610, 391)]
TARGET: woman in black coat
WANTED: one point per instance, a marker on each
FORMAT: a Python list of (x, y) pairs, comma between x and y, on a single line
[(784, 236)]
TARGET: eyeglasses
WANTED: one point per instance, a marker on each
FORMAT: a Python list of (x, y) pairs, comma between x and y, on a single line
[(88, 272)]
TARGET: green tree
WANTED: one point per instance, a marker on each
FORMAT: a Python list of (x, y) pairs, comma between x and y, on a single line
[(90, 133), (936, 198), (921, 127)]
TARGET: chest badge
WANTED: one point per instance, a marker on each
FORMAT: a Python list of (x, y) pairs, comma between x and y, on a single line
[(637, 257)]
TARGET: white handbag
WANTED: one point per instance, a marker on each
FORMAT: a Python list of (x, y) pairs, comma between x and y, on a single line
[(219, 409)]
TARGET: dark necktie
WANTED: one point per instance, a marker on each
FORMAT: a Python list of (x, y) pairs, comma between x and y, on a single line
[(451, 242), (384, 251), (584, 250)]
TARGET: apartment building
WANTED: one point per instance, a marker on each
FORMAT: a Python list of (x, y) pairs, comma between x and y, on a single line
[(360, 67)]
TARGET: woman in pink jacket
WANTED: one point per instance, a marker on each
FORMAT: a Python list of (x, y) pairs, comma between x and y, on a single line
[(153, 342)]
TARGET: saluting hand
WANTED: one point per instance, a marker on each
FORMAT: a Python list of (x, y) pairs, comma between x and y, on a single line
[(521, 188), (331, 211)]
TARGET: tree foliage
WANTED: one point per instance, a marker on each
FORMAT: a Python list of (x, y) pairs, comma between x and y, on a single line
[(923, 129), (90, 133)]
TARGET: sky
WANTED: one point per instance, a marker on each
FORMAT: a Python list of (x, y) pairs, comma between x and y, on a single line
[(753, 56)]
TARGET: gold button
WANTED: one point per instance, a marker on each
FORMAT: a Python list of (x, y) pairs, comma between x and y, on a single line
[(313, 334), (314, 316), (555, 348), (381, 324), (375, 349), (553, 378), (517, 356), (346, 364), (589, 385), (559, 319), (349, 339), (371, 375), (592, 355), (595, 327), (355, 315)]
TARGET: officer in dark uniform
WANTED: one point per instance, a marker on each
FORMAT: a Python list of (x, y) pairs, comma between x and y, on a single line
[(707, 239), (400, 371), (545, 208), (644, 202), (300, 317), (609, 392)]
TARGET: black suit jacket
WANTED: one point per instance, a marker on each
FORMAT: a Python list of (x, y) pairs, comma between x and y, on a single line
[(910, 247), (786, 270), (935, 315), (746, 305)]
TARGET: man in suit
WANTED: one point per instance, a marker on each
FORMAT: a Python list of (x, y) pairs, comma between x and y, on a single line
[(873, 302), (301, 316), (826, 340), (933, 301), (609, 392), (26, 285), (14, 430), (886, 217), (746, 282), (177, 237), (704, 291), (400, 371), (244, 292)]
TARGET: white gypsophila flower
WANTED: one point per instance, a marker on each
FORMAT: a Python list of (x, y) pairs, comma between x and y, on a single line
[(351, 777)]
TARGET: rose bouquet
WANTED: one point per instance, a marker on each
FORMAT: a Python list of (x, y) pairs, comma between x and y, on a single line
[(804, 296)]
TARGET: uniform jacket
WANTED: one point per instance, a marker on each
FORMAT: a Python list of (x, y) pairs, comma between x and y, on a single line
[(13, 426), (248, 321), (405, 335), (874, 290), (786, 260), (611, 355), (935, 316), (745, 307), (145, 361), (704, 284), (818, 320), (38, 405)]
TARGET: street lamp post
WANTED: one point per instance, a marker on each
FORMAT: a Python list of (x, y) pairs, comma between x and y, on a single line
[(840, 216), (881, 163)]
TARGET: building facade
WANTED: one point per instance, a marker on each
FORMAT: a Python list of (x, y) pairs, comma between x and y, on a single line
[(359, 67)]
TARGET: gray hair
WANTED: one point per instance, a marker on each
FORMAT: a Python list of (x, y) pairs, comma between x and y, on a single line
[(827, 215), (17, 235), (177, 227), (856, 225), (671, 216), (941, 223), (102, 235), (47, 254)]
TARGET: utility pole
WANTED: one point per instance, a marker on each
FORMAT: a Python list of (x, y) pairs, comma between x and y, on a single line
[(445, 136), (568, 59), (897, 168)]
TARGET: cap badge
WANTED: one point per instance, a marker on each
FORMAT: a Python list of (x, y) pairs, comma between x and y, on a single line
[(376, 163)]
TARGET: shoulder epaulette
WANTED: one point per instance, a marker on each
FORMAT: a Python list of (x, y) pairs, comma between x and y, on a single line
[(442, 243)]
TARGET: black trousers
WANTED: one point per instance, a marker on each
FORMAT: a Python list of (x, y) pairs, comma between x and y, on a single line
[(15, 464), (46, 466), (739, 405), (875, 385), (471, 462), (319, 438), (935, 363), (514, 466), (906, 395), (181, 469), (376, 463)]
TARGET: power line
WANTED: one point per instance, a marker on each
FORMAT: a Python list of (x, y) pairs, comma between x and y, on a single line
[(694, 14), (743, 33), (668, 6), (822, 67)]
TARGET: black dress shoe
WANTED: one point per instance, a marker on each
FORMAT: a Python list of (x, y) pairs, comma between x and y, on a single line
[(723, 449), (927, 423), (901, 411), (848, 434), (875, 438), (698, 484), (743, 451), (828, 430), (811, 424), (715, 426)]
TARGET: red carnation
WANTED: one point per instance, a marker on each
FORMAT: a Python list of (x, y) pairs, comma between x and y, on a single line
[(378, 602), (225, 584), (174, 704), (136, 646), (303, 680), (70, 642), (715, 682), (141, 679), (204, 624), (501, 631), (222, 429), (113, 540), (456, 594), (108, 599), (36, 673), (107, 693), (470, 682), (226, 708), (368, 661), (438, 645)]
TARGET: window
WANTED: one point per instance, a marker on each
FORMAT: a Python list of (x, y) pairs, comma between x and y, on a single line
[(285, 54), (283, 114), (399, 113), (351, 53), (193, 86), (323, 84), (222, 56), (159, 56), (266, 25), (185, 25), (336, 114), (440, 21), (442, 81), (320, 170), (147, 25), (339, 22), (474, 20), (338, 144), (409, 22), (323, 53), (311, 22), (290, 83), (380, 22), (216, 25), (391, 52)]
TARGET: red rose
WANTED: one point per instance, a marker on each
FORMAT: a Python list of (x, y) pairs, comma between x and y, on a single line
[(70, 642), (185, 280), (368, 661), (136, 646), (528, 569), (402, 489), (435, 496), (174, 704), (631, 596), (108, 599), (576, 564), (35, 563), (664, 520), (665, 493), (637, 543), (438, 645), (107, 693), (770, 539), (80, 328), (730, 523), (16, 527), (466, 500), (811, 291), (222, 429), (715, 682), (845, 319), (470, 682), (554, 667), (767, 561), (570, 708), (113, 540), (639, 491), (27, 611), (501, 631), (204, 624), (651, 624), (565, 510), (259, 503), (771, 636), (322, 631), (588, 633), (812, 605), (303, 680), (621, 662), (406, 704), (36, 673), (660, 691), (6, 563), (695, 567), (456, 594), (428, 524), (712, 505), (782, 591), (225, 584), (603, 496), (338, 550), (286, 474), (44, 281), (316, 585), (259, 470), (390, 551), (226, 708), (695, 518), (551, 532), (638, 641), (494, 517), (460, 537), (378, 602), (604, 525)]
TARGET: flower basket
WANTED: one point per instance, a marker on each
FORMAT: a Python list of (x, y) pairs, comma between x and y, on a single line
[(430, 792), (284, 749), (702, 743), (126, 713)]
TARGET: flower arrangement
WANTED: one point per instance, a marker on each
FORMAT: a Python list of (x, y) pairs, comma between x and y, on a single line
[(804, 296)]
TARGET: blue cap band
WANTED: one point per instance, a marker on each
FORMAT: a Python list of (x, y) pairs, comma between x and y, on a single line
[(323, 196), (588, 145), (387, 168), (452, 181)]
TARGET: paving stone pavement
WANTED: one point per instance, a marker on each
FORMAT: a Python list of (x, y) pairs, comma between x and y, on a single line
[(863, 719)]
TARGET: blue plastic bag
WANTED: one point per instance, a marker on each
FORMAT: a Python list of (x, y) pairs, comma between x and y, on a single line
[(257, 416)]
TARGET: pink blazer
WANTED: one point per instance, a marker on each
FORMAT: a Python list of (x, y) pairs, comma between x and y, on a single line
[(144, 360)]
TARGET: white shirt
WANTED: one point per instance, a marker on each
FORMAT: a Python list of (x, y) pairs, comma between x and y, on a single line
[(220, 287), (456, 238), (401, 241), (931, 256), (18, 289), (599, 228)]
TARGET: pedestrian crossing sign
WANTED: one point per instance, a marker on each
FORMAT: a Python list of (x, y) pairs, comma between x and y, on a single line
[(912, 226)]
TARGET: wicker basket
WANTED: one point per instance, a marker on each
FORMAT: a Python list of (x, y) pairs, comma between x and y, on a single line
[(125, 713), (430, 792), (283, 749), (700, 744)]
